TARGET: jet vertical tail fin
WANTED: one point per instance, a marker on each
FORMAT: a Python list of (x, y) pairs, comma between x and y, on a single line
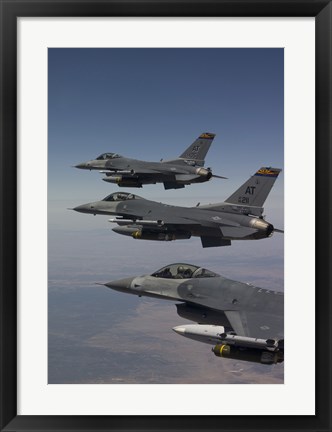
[(255, 190), (197, 151)]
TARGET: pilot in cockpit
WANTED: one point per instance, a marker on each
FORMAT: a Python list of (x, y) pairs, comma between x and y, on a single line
[(183, 273), (166, 273)]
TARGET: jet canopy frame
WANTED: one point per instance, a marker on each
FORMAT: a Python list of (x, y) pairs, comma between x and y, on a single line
[(121, 196), (183, 271), (105, 156)]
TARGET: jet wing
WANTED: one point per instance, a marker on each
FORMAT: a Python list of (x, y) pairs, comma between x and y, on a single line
[(173, 221), (251, 311), (176, 221), (256, 324), (156, 222)]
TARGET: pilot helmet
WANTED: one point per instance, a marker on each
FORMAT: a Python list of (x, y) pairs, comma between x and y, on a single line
[(181, 269)]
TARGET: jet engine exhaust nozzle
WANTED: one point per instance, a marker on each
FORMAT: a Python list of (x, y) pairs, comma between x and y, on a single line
[(262, 225), (270, 230), (203, 172)]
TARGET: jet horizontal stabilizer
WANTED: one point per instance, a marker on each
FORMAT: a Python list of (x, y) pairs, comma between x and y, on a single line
[(209, 241), (173, 185)]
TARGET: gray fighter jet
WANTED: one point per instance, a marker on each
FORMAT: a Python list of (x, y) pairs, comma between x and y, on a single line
[(175, 174), (240, 217), (240, 320)]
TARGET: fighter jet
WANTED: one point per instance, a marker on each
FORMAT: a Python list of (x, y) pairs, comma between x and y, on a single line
[(175, 174), (240, 217), (241, 321)]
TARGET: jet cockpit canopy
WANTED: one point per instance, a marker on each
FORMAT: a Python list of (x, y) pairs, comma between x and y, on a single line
[(121, 196), (105, 156), (183, 271)]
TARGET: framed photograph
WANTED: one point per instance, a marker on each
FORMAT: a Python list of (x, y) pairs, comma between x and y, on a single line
[(95, 84)]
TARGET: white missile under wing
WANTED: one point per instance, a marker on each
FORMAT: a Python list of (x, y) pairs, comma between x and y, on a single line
[(240, 217), (248, 320)]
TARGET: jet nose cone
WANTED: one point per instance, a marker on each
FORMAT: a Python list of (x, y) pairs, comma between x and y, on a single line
[(82, 165), (122, 285), (84, 208)]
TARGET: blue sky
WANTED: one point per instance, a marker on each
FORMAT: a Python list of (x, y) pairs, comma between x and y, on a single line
[(152, 104)]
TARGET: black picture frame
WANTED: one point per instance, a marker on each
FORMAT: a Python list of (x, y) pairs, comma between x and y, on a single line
[(10, 11)]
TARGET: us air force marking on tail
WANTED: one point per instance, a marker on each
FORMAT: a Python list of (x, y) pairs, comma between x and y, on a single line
[(239, 217), (239, 320), (175, 174)]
